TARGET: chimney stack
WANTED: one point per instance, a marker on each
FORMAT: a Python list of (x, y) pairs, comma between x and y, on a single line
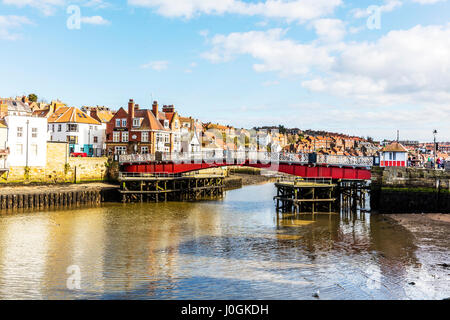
[(169, 108), (155, 109), (130, 111)]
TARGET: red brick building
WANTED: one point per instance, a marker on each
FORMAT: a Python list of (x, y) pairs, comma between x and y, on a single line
[(136, 131)]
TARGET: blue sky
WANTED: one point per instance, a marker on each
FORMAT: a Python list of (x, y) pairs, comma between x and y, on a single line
[(302, 63)]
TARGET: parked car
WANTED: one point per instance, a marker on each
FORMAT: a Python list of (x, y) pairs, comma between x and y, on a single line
[(78, 154)]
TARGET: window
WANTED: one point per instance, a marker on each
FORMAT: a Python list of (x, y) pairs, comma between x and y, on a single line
[(120, 150), (144, 137), (166, 124), (59, 128), (124, 122), (117, 122), (166, 138), (34, 132), (72, 127), (19, 149), (19, 132), (124, 136), (72, 139), (136, 122), (34, 149), (176, 124), (95, 139), (116, 136), (144, 150)]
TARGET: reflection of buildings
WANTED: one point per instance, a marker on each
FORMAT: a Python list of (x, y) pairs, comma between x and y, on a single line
[(35, 252)]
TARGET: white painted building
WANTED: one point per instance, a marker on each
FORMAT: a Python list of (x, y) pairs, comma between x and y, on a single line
[(394, 155), (83, 133), (190, 142), (27, 141)]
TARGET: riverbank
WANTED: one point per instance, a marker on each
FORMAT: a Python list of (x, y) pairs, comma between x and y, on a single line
[(240, 177), (414, 221), (430, 234), (48, 188), (56, 195)]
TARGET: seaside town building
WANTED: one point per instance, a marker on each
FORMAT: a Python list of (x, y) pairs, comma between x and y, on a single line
[(4, 151), (102, 115), (170, 120), (191, 131), (27, 134), (83, 133), (137, 131), (394, 155)]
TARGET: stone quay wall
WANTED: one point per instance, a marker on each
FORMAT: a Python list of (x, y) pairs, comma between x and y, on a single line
[(410, 190), (396, 177), (60, 168)]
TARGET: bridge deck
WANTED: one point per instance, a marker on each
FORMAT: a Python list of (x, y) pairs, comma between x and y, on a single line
[(302, 165)]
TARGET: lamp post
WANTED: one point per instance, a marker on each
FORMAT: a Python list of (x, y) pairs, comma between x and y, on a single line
[(435, 151)]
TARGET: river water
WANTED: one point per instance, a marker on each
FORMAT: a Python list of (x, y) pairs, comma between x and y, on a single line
[(234, 248)]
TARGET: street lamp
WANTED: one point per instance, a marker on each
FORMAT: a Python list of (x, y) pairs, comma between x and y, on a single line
[(435, 151)]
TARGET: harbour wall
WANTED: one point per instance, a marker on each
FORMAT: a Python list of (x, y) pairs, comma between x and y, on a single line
[(60, 168), (410, 190)]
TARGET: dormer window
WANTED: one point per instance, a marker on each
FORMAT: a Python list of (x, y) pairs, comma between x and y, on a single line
[(166, 124), (136, 122)]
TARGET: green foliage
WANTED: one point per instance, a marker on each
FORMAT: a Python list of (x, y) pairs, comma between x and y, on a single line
[(32, 97), (26, 173), (66, 168)]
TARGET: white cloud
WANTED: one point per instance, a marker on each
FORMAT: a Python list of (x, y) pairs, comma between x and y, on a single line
[(95, 20), (49, 7), (402, 67), (156, 65), (428, 1), (8, 25), (274, 52), (46, 6), (97, 4), (329, 30), (294, 10), (388, 6)]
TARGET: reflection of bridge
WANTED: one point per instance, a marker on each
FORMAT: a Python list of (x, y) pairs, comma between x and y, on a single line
[(303, 165)]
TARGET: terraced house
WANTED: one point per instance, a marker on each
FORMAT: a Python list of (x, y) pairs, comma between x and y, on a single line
[(83, 133)]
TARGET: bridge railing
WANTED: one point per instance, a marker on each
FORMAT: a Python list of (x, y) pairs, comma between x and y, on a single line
[(239, 157), (345, 160)]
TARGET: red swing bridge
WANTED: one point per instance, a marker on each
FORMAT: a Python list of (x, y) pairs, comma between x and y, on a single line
[(305, 165)]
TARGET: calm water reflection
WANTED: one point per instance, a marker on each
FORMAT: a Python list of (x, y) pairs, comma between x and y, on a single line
[(230, 249)]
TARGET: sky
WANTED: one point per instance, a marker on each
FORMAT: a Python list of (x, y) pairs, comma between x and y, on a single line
[(366, 68)]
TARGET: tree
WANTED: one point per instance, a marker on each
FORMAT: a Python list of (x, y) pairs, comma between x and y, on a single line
[(32, 97)]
